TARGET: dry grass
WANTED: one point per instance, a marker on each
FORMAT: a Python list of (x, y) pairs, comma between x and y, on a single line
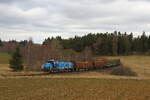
[(139, 64), (73, 89), (5, 71), (100, 74), (93, 85)]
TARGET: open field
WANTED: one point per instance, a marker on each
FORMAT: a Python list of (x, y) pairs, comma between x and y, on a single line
[(92, 85), (73, 89), (139, 64)]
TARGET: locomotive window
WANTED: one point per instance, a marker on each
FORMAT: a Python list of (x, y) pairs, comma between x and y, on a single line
[(49, 61)]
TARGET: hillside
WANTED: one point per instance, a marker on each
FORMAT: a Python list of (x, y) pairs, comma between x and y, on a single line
[(140, 66)]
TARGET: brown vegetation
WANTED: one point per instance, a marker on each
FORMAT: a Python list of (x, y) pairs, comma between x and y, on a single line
[(73, 89), (123, 71)]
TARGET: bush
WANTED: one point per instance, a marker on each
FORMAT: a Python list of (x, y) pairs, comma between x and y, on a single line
[(123, 71)]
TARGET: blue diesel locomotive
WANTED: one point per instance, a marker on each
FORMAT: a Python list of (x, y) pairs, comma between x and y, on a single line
[(54, 66)]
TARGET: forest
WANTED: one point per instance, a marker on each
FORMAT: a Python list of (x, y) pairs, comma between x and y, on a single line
[(112, 44)]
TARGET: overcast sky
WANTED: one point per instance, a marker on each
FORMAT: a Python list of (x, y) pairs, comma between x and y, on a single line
[(21, 19)]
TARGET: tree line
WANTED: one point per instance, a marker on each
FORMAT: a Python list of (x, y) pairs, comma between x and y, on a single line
[(115, 43)]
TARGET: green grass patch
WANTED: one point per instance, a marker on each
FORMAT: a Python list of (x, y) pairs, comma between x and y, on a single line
[(73, 89), (4, 58)]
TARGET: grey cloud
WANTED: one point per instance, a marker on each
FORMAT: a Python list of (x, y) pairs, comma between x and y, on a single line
[(31, 16), (139, 0), (8, 1)]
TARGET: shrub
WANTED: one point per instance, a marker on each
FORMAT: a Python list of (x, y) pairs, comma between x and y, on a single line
[(123, 71)]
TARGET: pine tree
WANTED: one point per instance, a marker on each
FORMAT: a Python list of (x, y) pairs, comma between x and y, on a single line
[(1, 43), (144, 41), (16, 62), (127, 45)]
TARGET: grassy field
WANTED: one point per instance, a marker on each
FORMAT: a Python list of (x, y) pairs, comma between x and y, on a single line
[(73, 89), (92, 85), (139, 64), (4, 58)]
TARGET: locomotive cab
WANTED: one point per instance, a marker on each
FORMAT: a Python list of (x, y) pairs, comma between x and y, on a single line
[(48, 65)]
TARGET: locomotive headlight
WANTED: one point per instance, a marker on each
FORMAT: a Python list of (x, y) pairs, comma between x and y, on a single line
[(42, 67)]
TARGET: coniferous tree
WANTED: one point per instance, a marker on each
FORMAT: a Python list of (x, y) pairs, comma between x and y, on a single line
[(144, 41), (127, 45), (148, 42), (16, 62), (1, 43)]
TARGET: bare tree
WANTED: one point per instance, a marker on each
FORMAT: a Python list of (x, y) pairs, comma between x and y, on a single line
[(87, 53)]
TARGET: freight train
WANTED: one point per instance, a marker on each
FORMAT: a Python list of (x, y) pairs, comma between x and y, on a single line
[(62, 66)]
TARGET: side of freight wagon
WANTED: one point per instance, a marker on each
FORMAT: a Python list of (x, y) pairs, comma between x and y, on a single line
[(83, 65), (113, 63), (99, 64)]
